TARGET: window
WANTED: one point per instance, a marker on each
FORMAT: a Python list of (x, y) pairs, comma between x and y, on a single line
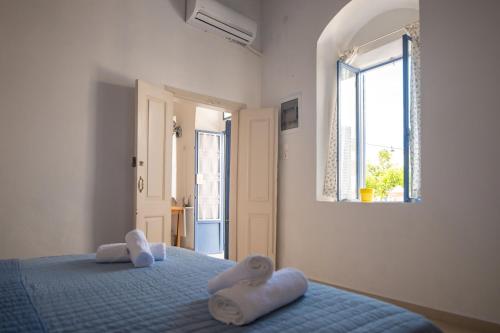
[(373, 128)]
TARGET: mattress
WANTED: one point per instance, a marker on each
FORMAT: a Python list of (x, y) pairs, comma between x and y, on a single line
[(75, 294)]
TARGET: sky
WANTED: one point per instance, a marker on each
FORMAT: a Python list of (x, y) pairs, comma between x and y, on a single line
[(384, 111)]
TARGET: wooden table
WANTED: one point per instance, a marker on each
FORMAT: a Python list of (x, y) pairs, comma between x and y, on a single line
[(179, 211)]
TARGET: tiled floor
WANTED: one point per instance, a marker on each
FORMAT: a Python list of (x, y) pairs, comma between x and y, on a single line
[(217, 255)]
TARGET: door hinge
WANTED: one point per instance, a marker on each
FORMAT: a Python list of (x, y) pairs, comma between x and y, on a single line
[(134, 161)]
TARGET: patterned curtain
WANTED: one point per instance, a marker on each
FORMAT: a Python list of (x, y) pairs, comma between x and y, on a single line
[(330, 183), (413, 30)]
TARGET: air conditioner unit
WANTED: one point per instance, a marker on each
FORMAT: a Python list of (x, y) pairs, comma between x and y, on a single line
[(214, 17)]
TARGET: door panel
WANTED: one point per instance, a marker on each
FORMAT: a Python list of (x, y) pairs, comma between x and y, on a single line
[(154, 161), (257, 180), (156, 149), (259, 160), (258, 229), (207, 236), (154, 228)]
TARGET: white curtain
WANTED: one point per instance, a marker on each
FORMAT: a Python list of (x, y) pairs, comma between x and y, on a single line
[(331, 183), (415, 167)]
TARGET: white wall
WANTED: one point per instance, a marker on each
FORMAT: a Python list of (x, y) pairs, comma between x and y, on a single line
[(442, 253), (251, 9), (67, 71), (209, 120), (186, 117), (383, 24)]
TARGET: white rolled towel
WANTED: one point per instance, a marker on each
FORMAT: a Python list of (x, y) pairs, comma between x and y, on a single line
[(118, 252), (158, 250), (255, 269), (138, 247), (111, 253), (242, 303)]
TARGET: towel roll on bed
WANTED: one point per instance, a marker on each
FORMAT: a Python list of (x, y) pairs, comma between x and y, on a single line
[(243, 303), (118, 252), (138, 247), (254, 269)]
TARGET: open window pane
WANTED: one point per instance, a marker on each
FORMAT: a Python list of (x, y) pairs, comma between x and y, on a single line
[(383, 131), (347, 132)]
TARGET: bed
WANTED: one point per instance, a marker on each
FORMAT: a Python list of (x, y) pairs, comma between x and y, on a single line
[(73, 293)]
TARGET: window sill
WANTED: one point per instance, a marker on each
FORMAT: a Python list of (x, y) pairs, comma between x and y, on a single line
[(321, 198), (376, 202)]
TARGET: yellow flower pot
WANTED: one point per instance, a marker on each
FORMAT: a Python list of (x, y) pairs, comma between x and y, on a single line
[(366, 194)]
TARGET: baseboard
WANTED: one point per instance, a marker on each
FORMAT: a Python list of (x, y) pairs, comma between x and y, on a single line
[(469, 323)]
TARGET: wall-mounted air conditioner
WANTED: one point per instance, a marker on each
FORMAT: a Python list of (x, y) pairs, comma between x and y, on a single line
[(214, 17)]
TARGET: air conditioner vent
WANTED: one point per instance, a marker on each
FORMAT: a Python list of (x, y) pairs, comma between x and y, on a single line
[(211, 16)]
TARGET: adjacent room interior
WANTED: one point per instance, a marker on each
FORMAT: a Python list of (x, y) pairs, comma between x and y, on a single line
[(201, 150)]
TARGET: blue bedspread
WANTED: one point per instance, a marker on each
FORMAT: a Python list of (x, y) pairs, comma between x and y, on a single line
[(75, 294), (17, 313)]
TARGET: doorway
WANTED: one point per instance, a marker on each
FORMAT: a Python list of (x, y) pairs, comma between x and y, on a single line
[(212, 174), (166, 116)]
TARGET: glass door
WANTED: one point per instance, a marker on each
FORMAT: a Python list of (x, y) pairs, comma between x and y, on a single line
[(209, 221)]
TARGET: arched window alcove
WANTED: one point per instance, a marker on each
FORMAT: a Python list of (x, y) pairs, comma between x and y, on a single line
[(360, 22)]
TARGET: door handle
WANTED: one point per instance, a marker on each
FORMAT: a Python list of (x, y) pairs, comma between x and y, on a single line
[(140, 184)]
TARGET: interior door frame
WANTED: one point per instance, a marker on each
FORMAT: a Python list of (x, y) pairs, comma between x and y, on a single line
[(185, 96)]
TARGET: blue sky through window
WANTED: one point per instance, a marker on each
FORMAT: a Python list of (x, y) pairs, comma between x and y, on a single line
[(383, 107)]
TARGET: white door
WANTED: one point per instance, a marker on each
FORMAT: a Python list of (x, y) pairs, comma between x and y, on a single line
[(257, 183), (154, 161)]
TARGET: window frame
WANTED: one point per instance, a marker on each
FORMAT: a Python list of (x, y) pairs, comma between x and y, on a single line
[(406, 116), (360, 123)]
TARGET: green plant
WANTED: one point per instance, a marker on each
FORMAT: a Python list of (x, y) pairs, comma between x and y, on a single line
[(383, 177)]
